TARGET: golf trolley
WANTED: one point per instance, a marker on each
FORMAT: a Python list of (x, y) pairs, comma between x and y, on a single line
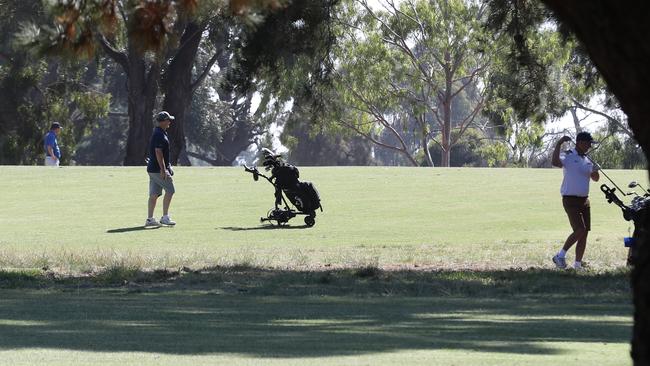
[(284, 177), (635, 211)]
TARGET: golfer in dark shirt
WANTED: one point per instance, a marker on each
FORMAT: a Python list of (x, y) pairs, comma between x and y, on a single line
[(160, 171)]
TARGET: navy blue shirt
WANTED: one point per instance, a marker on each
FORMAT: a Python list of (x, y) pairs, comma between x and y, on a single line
[(159, 140)]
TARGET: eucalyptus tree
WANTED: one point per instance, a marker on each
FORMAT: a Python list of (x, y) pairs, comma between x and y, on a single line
[(403, 68)]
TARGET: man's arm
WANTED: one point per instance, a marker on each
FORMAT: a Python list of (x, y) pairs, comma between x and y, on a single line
[(556, 153), (595, 176), (161, 163), (50, 152)]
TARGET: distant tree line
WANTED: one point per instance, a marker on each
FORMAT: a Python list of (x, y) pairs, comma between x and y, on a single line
[(419, 83)]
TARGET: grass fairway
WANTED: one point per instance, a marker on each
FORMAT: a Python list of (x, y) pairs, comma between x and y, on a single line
[(405, 266), (77, 218)]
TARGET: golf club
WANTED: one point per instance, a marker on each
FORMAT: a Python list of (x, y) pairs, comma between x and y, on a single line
[(634, 184)]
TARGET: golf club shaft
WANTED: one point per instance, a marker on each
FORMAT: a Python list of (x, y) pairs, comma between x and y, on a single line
[(603, 172), (609, 179), (600, 169)]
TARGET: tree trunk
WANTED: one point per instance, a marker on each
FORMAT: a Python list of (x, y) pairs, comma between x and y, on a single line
[(576, 120), (445, 158), (239, 136), (421, 119), (427, 153), (142, 85), (616, 35), (178, 88)]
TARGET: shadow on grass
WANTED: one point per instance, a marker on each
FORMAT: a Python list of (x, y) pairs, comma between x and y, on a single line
[(277, 313), (265, 227), (133, 228)]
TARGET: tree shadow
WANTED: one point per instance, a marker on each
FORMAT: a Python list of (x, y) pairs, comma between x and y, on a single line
[(133, 228), (290, 314)]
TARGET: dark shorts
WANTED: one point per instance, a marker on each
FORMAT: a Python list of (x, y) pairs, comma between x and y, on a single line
[(578, 211)]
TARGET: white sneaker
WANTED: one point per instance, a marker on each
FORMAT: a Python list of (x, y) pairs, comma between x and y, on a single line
[(166, 220), (151, 222), (560, 262), (579, 267)]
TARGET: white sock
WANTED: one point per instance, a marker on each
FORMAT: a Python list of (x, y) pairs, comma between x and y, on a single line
[(577, 264), (561, 253)]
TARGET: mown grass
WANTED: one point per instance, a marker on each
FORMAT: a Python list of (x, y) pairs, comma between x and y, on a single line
[(79, 219), (246, 316), (405, 266)]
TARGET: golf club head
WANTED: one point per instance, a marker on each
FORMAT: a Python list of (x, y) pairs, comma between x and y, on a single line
[(633, 184), (253, 170)]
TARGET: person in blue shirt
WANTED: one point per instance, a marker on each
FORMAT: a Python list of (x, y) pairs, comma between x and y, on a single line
[(160, 171), (51, 145)]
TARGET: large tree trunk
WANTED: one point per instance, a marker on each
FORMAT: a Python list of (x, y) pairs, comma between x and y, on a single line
[(142, 88), (178, 89), (616, 35)]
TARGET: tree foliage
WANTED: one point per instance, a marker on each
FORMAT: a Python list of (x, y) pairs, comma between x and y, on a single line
[(156, 43), (36, 92), (411, 72)]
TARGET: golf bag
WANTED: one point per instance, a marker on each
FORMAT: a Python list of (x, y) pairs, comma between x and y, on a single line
[(635, 212), (284, 177)]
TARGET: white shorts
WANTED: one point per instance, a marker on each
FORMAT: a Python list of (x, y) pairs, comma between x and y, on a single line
[(49, 161)]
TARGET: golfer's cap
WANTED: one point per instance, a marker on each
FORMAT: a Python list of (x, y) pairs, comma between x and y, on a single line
[(163, 116), (55, 125), (584, 136)]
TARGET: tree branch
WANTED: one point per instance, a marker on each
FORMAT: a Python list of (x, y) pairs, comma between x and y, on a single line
[(206, 71), (118, 56), (369, 137), (202, 157), (609, 118)]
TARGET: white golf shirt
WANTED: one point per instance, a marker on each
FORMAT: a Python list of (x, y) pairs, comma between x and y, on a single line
[(577, 172)]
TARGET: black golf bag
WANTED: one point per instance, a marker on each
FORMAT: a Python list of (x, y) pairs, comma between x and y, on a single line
[(635, 212), (284, 177)]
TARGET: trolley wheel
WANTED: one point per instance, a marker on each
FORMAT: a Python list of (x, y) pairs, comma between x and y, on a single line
[(310, 221)]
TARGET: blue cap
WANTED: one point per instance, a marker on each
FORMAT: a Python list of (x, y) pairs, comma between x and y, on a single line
[(163, 116)]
